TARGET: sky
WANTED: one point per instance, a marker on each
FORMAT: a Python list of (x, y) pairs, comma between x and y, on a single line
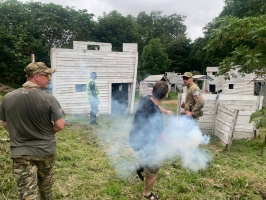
[(198, 12)]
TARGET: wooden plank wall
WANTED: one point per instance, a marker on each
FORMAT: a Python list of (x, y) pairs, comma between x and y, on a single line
[(144, 89), (176, 79), (73, 66), (241, 85), (147, 86), (225, 122), (206, 121), (246, 104)]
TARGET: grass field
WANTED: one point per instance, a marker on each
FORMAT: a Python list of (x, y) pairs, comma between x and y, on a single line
[(96, 162)]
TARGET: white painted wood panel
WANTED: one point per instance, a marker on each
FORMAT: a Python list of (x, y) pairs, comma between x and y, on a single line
[(74, 66), (246, 104)]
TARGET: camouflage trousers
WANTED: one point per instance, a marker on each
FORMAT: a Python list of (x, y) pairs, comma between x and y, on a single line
[(33, 173)]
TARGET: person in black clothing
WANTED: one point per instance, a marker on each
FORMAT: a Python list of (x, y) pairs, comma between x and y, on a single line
[(147, 128)]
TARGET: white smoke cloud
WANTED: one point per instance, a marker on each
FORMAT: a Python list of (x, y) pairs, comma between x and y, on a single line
[(186, 138), (186, 142)]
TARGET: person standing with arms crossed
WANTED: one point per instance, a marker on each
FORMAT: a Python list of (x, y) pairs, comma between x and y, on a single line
[(93, 93), (194, 99), (146, 130), (32, 117)]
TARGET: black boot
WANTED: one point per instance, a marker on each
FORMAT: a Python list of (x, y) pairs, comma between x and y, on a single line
[(92, 118)]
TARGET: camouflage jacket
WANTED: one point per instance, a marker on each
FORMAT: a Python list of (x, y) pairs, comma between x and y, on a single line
[(194, 100)]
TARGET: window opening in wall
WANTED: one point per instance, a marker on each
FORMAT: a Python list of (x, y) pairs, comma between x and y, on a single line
[(80, 87), (150, 85), (231, 86), (93, 47), (212, 88), (213, 73)]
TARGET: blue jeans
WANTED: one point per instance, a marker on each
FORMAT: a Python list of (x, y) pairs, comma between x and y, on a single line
[(94, 102)]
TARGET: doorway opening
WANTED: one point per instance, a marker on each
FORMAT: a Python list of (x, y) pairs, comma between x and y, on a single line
[(120, 98), (212, 88)]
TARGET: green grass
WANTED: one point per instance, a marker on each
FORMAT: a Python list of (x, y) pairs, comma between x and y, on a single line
[(172, 96), (88, 156)]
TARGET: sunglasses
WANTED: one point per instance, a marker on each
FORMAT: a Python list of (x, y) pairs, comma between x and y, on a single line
[(185, 78), (48, 76)]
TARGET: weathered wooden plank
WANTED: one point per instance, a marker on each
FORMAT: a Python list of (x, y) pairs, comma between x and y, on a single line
[(245, 128), (244, 122), (95, 63), (223, 125), (83, 57), (204, 125), (207, 112), (63, 52), (228, 117), (208, 119), (227, 122), (243, 118), (86, 71), (206, 131), (222, 135), (224, 111), (232, 129), (246, 112), (242, 135), (223, 97), (209, 106)]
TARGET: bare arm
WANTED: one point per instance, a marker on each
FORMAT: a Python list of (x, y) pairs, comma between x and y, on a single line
[(168, 112), (58, 125)]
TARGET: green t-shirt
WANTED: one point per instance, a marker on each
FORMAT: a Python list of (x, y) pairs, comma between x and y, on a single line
[(29, 114)]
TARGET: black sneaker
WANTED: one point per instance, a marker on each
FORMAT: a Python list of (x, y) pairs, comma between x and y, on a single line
[(139, 170)]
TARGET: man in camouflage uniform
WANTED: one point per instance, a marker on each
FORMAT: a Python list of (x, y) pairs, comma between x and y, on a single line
[(32, 117), (194, 100)]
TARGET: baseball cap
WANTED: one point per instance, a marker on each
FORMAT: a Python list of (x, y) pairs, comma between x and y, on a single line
[(188, 74), (37, 67)]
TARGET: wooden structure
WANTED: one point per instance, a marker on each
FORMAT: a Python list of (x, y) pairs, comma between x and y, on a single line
[(238, 83), (212, 118), (225, 123), (116, 81), (147, 84), (175, 80)]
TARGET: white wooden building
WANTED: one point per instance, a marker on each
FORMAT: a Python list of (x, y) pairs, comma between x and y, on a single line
[(242, 85), (175, 80), (147, 84), (116, 71)]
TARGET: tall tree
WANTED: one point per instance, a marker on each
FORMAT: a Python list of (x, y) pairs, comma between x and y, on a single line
[(247, 38), (157, 26), (116, 29), (154, 59), (178, 50), (243, 8), (58, 26), (34, 28)]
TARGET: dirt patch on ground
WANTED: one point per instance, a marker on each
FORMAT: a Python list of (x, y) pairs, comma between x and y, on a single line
[(174, 101), (5, 88)]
